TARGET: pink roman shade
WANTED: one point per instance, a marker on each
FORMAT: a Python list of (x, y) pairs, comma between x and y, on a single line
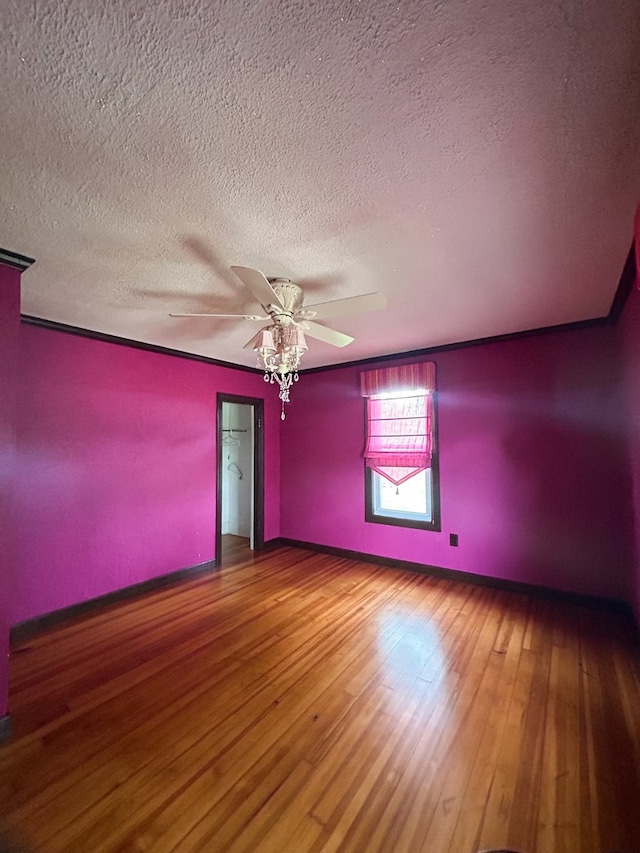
[(407, 377), (399, 428)]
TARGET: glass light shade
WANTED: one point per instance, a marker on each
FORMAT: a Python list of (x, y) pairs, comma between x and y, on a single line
[(264, 344), (297, 341)]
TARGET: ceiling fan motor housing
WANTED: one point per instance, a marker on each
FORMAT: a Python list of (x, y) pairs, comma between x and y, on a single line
[(291, 299)]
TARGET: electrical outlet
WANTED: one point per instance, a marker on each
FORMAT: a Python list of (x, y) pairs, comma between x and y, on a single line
[(453, 539)]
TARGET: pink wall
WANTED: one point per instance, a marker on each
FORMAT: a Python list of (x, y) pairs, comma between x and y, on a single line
[(532, 466), (629, 333), (9, 325), (117, 462), (117, 465)]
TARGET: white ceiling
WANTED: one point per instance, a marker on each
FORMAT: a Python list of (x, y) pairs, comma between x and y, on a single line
[(477, 162)]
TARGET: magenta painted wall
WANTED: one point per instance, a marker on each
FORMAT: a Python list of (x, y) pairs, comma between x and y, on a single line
[(629, 332), (532, 465), (117, 466), (116, 477), (9, 326)]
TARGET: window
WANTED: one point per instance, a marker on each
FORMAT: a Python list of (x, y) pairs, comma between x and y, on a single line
[(401, 485), (411, 500)]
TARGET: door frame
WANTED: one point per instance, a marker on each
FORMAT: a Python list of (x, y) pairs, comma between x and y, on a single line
[(258, 468)]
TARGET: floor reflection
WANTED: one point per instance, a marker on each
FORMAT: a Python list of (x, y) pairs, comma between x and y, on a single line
[(411, 653)]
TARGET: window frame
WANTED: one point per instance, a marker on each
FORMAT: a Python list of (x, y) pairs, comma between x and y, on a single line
[(397, 521)]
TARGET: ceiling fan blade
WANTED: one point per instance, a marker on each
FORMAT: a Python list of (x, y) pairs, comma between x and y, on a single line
[(258, 284), (225, 316), (350, 305), (329, 336)]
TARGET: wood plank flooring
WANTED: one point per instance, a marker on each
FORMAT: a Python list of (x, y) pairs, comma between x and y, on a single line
[(302, 703)]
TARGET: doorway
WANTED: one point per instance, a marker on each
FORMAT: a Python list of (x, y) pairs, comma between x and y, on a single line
[(239, 475)]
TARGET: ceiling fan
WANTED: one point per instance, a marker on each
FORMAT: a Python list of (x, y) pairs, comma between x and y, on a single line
[(281, 345), (283, 302)]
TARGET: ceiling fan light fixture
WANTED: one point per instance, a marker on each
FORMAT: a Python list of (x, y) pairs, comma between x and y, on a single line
[(279, 350)]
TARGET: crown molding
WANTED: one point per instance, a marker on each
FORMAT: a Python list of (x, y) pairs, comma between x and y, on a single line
[(625, 286), (13, 259), (53, 326)]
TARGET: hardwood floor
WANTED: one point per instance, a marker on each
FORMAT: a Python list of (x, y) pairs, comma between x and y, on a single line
[(235, 549), (300, 703)]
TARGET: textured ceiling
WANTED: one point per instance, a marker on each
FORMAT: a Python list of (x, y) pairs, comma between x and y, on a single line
[(477, 162)]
